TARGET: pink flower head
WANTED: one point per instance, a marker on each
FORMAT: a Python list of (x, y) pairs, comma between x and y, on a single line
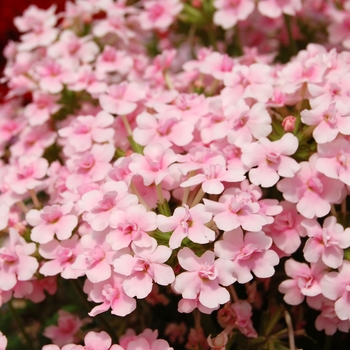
[(203, 277), (305, 281), (112, 296), (335, 286), (236, 208), (96, 341), (153, 167), (16, 264), (159, 14), (26, 174), (187, 222), (229, 12), (121, 98), (271, 159), (312, 191), (327, 242), (67, 327), (84, 130), (131, 226), (51, 220), (249, 252), (147, 265)]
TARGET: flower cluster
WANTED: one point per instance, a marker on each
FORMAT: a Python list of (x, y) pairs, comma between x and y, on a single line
[(146, 168)]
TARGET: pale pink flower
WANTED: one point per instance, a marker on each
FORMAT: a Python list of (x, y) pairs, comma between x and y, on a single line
[(26, 174), (229, 12), (131, 226), (187, 222), (249, 252), (61, 255), (96, 341), (112, 296), (236, 208), (306, 281), (52, 220), (83, 131), (327, 242), (329, 122), (4, 215), (16, 264), (271, 159), (144, 267), (275, 8), (153, 167), (334, 158), (203, 278), (217, 65), (65, 331), (335, 286), (312, 191), (3, 341), (43, 107), (159, 14), (121, 98)]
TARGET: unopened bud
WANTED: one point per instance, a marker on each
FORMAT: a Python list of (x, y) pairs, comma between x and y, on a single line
[(289, 123)]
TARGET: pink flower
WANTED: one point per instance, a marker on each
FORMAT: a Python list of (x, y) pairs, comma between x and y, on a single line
[(326, 243), (271, 159), (187, 222), (121, 98), (275, 8), (97, 341), (335, 286), (305, 281), (203, 278), (249, 252), (147, 265), (16, 264), (112, 296), (3, 341), (4, 215), (61, 255), (312, 191), (51, 220), (159, 14), (67, 326), (229, 12)]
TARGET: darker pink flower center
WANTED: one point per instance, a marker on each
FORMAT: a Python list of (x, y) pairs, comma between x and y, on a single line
[(25, 171), (128, 228), (64, 255), (109, 293), (208, 272), (51, 215), (87, 161), (7, 255), (315, 184), (164, 127), (272, 157), (226, 64), (141, 265), (213, 171), (155, 11), (106, 203), (94, 255)]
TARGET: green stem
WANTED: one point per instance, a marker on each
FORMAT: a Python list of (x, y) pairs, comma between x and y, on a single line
[(328, 343), (35, 199), (20, 324), (198, 197), (292, 44), (99, 318)]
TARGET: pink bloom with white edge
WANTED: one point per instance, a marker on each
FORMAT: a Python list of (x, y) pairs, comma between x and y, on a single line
[(67, 326), (131, 226), (306, 281), (187, 222), (144, 267), (26, 174), (335, 286), (50, 221), (249, 252), (16, 264), (153, 167), (229, 12), (97, 341), (327, 242), (61, 256), (159, 14), (271, 159), (312, 191), (99, 205), (112, 296), (85, 130), (236, 208), (275, 8), (121, 98), (203, 278)]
